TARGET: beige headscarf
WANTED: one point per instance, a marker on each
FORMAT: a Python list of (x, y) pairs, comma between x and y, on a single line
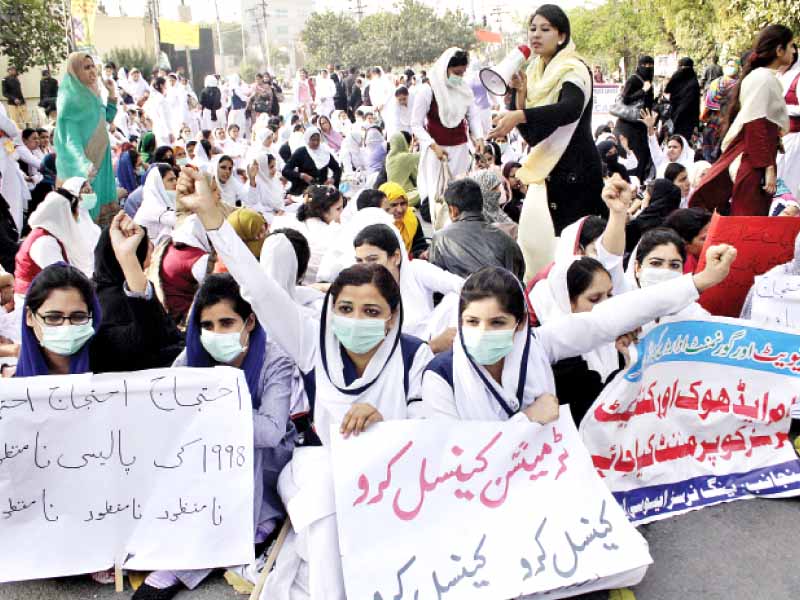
[(96, 147)]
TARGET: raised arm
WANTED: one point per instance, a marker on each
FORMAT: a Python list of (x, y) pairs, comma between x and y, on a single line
[(575, 334), (280, 316)]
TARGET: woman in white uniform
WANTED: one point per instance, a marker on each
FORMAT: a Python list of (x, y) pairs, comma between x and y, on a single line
[(358, 369)]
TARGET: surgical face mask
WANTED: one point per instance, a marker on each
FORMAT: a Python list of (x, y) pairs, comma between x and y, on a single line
[(729, 71), (223, 347), (172, 195), (89, 201), (651, 276), (182, 162), (359, 336), (66, 340), (488, 347), (503, 146), (455, 80), (140, 171)]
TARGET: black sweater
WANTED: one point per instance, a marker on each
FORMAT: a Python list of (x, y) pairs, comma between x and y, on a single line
[(301, 162)]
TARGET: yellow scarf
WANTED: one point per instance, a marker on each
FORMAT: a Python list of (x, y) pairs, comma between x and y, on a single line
[(536, 234), (407, 226)]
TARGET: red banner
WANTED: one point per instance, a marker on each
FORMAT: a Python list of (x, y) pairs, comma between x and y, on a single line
[(761, 242)]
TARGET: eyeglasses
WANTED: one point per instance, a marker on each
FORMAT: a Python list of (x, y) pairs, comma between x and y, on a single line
[(57, 319)]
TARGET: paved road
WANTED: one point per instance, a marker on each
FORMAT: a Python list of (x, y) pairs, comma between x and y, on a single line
[(739, 551)]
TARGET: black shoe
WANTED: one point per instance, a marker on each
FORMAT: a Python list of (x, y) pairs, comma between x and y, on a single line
[(148, 592)]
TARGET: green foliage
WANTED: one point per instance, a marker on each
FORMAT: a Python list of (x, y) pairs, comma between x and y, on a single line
[(413, 35), (32, 33), (248, 70), (696, 28), (142, 59)]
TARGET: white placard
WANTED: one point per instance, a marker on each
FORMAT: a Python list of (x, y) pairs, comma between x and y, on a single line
[(474, 510), (776, 300), (701, 418), (154, 468)]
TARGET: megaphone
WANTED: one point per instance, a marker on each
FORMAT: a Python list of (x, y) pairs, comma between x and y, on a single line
[(495, 79)]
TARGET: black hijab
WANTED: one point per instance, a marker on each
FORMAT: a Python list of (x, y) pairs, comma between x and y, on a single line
[(665, 198), (646, 73), (107, 272), (611, 163)]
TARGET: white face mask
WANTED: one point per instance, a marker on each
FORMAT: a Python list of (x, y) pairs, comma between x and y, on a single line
[(729, 71), (652, 275)]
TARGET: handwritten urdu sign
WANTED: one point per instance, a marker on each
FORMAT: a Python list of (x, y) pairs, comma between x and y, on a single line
[(474, 510), (153, 468), (701, 418)]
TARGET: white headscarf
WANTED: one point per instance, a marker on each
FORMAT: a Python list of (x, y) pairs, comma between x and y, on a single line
[(453, 100), (321, 156), (473, 385), (155, 203), (192, 233), (231, 190), (201, 159), (91, 232), (352, 146), (210, 81), (55, 216), (279, 261), (550, 300), (270, 189)]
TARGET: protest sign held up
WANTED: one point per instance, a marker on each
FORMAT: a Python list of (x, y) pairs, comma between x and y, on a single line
[(478, 510), (701, 418), (152, 469)]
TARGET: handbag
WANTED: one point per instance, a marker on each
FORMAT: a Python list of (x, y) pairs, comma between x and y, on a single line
[(627, 112)]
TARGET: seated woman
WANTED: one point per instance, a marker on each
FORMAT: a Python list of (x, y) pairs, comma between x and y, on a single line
[(311, 164), (499, 369), (55, 237), (182, 266), (516, 190), (63, 329), (47, 168), (402, 166), (223, 330), (332, 138), (679, 175), (157, 213), (405, 220), (692, 225), (318, 219), (419, 280), (659, 257), (120, 322), (129, 170), (270, 194), (358, 368), (230, 188)]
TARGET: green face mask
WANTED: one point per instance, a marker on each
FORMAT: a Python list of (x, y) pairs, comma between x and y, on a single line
[(359, 336), (89, 201), (454, 80), (488, 347), (66, 340)]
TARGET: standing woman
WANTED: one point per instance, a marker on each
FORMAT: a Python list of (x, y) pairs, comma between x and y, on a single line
[(755, 119), (81, 140), (211, 103), (563, 169), (443, 117), (684, 97), (789, 161), (638, 88)]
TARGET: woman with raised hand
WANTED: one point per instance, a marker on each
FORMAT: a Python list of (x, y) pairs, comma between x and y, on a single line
[(499, 368), (63, 331), (223, 330), (358, 367)]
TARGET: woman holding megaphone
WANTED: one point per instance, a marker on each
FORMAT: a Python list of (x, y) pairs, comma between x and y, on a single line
[(553, 112)]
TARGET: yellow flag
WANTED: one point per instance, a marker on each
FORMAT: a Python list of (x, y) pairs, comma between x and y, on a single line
[(180, 34)]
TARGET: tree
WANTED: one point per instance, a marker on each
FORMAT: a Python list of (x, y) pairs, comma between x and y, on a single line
[(142, 59), (414, 34), (329, 37), (32, 33)]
